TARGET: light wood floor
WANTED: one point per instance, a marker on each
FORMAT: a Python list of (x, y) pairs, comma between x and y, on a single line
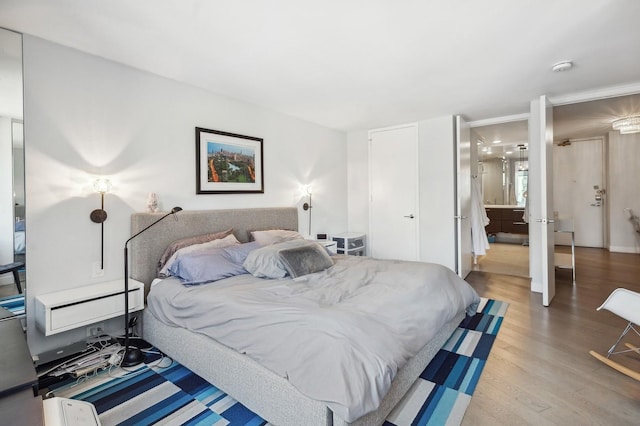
[(504, 258), (539, 371)]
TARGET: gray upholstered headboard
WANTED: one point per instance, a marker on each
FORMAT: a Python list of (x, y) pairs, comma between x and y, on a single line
[(146, 249)]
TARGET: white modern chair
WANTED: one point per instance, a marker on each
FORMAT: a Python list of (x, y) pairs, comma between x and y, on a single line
[(626, 304)]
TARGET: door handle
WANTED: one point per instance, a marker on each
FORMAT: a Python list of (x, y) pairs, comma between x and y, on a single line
[(459, 217), (411, 216), (545, 221), (596, 205)]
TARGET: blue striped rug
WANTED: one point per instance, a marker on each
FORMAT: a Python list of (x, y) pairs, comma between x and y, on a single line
[(175, 395), (15, 304)]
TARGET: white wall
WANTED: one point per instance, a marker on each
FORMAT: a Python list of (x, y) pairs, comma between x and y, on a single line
[(623, 190), (358, 182), (87, 117), (437, 191)]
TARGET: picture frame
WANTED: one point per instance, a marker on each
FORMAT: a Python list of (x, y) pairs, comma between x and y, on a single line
[(228, 163)]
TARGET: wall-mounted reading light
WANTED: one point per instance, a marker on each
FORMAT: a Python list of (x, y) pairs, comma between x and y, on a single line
[(307, 206), (101, 186)]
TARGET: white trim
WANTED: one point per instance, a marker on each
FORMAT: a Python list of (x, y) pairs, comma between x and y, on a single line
[(499, 120), (596, 94), (624, 249)]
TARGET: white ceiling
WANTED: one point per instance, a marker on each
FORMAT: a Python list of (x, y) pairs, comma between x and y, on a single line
[(357, 64)]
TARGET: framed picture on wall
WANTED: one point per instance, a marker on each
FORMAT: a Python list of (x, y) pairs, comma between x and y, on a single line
[(227, 163)]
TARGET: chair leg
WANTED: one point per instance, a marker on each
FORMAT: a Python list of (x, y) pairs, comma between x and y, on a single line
[(16, 278), (626, 330)]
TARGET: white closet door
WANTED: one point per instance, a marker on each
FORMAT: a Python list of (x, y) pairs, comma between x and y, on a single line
[(393, 168)]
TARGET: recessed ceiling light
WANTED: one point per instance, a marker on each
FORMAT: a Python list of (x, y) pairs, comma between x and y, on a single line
[(509, 152), (497, 141), (562, 66)]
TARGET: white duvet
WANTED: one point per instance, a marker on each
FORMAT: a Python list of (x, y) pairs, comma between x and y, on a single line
[(339, 336)]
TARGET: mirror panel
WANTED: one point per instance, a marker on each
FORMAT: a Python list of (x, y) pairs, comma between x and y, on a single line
[(12, 188), (19, 246)]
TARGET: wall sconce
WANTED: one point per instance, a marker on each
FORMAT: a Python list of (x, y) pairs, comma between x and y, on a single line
[(100, 215), (307, 206)]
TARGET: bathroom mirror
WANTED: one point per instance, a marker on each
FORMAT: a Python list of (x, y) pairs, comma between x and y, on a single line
[(503, 165)]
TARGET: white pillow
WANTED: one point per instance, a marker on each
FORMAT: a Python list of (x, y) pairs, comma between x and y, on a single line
[(227, 241), (273, 236)]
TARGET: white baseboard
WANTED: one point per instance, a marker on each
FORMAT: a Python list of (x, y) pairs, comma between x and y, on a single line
[(624, 249)]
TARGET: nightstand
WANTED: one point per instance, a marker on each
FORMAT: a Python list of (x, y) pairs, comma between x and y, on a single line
[(78, 307), (330, 245), (351, 243)]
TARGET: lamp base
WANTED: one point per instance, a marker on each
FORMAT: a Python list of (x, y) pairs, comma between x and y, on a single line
[(132, 356)]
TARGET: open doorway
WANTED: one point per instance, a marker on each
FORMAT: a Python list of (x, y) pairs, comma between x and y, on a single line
[(502, 172)]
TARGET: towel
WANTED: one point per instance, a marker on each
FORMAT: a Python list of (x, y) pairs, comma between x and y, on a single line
[(479, 220)]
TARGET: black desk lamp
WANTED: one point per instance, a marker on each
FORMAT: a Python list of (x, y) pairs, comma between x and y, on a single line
[(132, 355)]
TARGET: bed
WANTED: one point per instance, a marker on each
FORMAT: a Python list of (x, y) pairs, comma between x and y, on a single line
[(266, 390)]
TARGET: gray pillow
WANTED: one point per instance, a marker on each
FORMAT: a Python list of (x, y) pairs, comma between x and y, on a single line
[(305, 260), (266, 263)]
